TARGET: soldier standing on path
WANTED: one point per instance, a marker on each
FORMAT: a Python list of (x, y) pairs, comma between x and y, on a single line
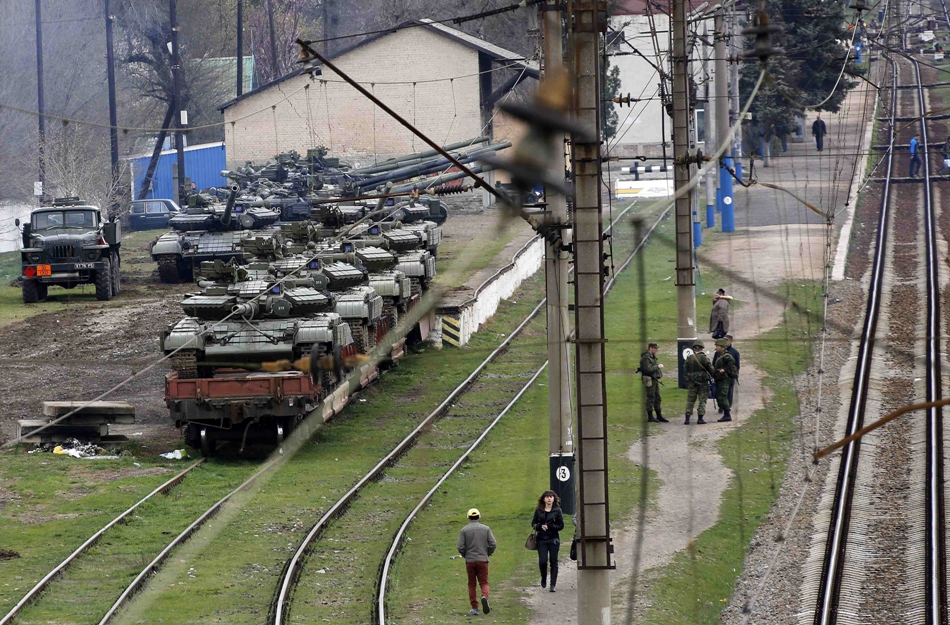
[(698, 371), (651, 372), (735, 354), (726, 373)]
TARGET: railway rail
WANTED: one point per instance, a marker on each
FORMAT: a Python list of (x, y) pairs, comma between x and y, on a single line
[(837, 572)]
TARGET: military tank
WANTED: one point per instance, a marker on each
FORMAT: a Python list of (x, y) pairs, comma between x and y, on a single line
[(206, 231)]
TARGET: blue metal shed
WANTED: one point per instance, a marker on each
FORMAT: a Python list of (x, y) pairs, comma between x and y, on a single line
[(203, 165)]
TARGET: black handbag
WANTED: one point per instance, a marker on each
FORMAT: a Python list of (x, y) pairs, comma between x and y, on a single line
[(713, 389), (574, 550), (532, 543)]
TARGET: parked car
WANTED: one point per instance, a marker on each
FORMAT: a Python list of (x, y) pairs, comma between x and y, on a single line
[(151, 214)]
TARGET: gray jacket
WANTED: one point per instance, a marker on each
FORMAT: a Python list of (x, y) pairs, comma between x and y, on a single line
[(476, 542)]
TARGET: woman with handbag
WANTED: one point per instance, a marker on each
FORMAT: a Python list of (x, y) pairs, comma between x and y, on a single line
[(547, 522)]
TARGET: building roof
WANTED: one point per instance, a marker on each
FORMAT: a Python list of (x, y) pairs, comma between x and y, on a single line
[(639, 7), (495, 53)]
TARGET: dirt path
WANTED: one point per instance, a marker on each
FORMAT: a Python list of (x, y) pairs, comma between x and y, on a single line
[(685, 459)]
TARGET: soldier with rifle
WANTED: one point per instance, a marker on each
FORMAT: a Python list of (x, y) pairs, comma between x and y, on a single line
[(698, 371), (726, 373), (651, 372)]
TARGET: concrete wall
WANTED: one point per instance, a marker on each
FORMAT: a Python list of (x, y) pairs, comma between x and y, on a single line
[(326, 111)]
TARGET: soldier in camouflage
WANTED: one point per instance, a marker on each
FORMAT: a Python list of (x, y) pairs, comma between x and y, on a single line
[(651, 372), (698, 372), (726, 373)]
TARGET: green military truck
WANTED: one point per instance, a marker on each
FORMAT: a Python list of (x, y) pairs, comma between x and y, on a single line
[(67, 244)]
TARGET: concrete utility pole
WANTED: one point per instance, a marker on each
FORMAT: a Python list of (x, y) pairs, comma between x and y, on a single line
[(560, 445), (181, 115), (685, 279), (721, 77), (113, 117), (40, 106), (594, 554), (735, 47)]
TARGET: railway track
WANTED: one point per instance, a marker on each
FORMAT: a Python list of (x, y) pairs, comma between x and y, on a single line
[(293, 573), (884, 552), (90, 542)]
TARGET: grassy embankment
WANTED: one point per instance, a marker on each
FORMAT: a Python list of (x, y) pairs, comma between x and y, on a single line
[(507, 474)]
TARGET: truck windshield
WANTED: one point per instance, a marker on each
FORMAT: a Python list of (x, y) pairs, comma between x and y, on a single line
[(60, 219)]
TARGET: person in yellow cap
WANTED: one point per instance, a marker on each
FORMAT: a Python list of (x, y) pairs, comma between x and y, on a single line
[(476, 544)]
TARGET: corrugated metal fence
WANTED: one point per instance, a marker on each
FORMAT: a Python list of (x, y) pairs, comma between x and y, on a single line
[(203, 165)]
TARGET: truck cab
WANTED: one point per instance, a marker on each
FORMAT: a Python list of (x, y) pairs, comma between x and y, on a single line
[(67, 244)]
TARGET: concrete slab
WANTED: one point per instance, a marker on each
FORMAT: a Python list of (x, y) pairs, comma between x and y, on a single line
[(100, 408)]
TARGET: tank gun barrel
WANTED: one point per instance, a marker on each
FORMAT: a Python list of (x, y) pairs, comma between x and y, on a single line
[(248, 310), (422, 169), (392, 162), (435, 181), (229, 207)]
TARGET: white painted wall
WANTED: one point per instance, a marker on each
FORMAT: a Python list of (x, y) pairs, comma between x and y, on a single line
[(10, 240)]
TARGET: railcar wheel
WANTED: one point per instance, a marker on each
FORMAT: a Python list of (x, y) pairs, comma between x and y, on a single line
[(208, 443)]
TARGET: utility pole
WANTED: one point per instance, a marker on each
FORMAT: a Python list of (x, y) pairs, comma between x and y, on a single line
[(734, 44), (273, 38), (587, 23), (560, 444), (113, 118), (325, 17), (685, 279), (721, 77), (40, 106), (181, 116), (240, 47)]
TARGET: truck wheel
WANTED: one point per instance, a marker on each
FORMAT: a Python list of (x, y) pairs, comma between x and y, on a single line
[(104, 282), (31, 291), (116, 278)]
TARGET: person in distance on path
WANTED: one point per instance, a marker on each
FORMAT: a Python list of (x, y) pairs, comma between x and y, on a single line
[(476, 544), (698, 371), (651, 371), (719, 317), (725, 373), (944, 156), (819, 130), (914, 156), (547, 522), (735, 354)]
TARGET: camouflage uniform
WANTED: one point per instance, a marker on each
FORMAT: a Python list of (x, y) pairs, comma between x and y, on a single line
[(651, 373), (724, 381), (697, 373)]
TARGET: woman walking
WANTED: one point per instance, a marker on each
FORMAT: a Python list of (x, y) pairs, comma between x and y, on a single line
[(547, 522)]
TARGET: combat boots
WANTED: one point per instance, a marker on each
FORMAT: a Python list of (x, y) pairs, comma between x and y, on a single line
[(725, 417), (687, 419), (659, 417), (701, 420), (650, 418)]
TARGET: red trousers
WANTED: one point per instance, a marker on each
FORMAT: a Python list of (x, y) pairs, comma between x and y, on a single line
[(476, 570)]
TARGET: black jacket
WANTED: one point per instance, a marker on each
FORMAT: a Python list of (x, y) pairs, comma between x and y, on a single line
[(553, 519)]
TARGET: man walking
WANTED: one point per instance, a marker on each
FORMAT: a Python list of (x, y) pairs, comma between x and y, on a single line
[(698, 371), (819, 130), (725, 374), (651, 372), (476, 544), (735, 355), (915, 156)]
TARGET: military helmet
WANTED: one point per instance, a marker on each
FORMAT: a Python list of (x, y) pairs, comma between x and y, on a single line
[(698, 345), (722, 343)]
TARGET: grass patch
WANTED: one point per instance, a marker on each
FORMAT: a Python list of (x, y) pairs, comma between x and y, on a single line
[(452, 250)]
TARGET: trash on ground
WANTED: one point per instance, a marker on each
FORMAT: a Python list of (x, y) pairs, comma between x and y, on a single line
[(72, 447), (177, 454)]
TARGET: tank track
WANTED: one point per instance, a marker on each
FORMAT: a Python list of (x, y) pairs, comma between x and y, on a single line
[(364, 337), (168, 270), (391, 314), (416, 286), (185, 363)]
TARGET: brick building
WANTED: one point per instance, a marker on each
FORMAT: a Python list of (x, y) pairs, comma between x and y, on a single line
[(444, 81)]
